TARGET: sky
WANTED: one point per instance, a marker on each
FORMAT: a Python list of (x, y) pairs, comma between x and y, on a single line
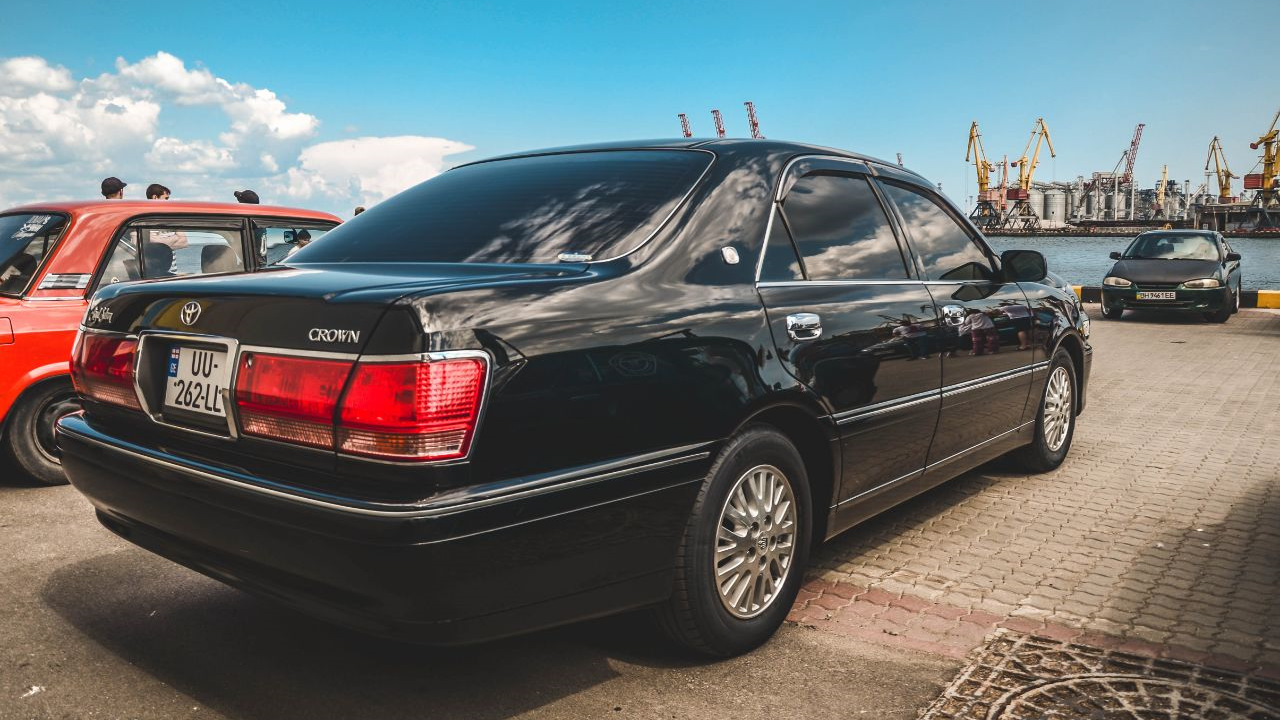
[(330, 105)]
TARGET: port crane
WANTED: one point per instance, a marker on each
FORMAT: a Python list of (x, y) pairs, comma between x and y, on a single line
[(1220, 170), (1267, 183), (985, 214), (1022, 216), (1157, 209)]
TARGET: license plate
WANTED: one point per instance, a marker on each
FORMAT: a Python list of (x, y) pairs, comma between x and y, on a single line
[(196, 380), (1158, 295)]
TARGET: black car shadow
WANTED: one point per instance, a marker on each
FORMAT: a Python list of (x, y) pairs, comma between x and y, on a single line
[(249, 658)]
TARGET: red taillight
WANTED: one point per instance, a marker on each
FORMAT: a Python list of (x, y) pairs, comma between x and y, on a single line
[(102, 368), (290, 398), (412, 411)]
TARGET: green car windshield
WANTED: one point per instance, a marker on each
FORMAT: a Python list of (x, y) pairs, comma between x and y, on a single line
[(1172, 246)]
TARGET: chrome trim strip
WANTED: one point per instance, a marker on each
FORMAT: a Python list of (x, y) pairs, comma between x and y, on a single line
[(909, 476), (885, 406), (764, 244), (988, 441), (322, 354), (77, 298), (835, 283), (986, 381), (460, 502)]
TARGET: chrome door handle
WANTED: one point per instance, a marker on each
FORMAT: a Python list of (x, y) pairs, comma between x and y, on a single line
[(804, 326)]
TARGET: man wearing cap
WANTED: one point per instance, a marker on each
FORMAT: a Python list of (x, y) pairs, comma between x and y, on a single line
[(113, 188), (246, 196)]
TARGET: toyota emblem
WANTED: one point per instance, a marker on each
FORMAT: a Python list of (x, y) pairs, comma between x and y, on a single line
[(190, 313)]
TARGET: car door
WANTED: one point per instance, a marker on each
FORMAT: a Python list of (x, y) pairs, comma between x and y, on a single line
[(852, 321), (987, 325)]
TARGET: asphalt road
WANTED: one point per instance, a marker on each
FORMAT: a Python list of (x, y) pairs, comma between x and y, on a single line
[(95, 628)]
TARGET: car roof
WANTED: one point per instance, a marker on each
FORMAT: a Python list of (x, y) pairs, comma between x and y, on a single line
[(1205, 233), (169, 207), (728, 146)]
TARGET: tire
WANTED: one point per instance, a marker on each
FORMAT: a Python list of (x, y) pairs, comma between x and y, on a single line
[(699, 616), (1223, 313), (1112, 314), (29, 440), (1055, 418)]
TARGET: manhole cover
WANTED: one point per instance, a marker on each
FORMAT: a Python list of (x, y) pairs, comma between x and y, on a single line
[(1023, 677)]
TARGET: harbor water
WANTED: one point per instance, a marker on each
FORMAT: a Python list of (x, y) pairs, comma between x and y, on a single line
[(1084, 260)]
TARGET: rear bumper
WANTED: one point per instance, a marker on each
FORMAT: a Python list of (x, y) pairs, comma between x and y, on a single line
[(1210, 300), (439, 573)]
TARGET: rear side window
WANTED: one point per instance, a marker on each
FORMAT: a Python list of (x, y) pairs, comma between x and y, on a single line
[(942, 243), (592, 205), (841, 231), (25, 241), (163, 250), (275, 242)]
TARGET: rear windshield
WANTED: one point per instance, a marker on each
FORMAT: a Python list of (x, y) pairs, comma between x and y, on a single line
[(25, 241), (570, 207)]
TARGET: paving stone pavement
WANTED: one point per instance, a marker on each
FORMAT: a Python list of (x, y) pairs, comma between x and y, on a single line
[(1160, 533)]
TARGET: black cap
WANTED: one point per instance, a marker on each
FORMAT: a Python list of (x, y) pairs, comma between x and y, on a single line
[(247, 196), (112, 185)]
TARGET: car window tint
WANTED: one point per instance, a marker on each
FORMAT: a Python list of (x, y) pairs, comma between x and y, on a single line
[(593, 205), (277, 242), (780, 261), (25, 241), (1171, 246), (841, 231), (942, 243)]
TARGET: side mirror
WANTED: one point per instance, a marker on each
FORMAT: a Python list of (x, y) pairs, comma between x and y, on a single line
[(1114, 256), (1024, 265), (1233, 256)]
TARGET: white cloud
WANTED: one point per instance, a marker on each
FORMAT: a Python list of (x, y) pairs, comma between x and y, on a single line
[(60, 135), (367, 170)]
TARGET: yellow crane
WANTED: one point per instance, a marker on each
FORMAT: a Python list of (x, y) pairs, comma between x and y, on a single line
[(1022, 215), (1221, 170), (1266, 183), (985, 213), (1158, 209)]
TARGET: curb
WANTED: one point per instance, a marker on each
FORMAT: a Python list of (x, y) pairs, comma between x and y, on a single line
[(1248, 298)]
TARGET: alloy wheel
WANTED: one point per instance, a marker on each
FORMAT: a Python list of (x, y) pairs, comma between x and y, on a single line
[(1057, 408), (755, 541)]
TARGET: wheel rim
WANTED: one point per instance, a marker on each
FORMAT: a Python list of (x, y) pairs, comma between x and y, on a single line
[(1057, 408), (755, 541), (56, 408), (1236, 296)]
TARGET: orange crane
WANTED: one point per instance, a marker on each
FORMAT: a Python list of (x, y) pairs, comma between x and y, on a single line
[(1221, 170), (1022, 215), (985, 214)]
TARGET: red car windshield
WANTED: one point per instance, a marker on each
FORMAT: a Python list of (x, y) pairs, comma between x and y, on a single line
[(25, 240)]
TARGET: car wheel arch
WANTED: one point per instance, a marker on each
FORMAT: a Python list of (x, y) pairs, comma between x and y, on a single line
[(31, 388), (1075, 348), (814, 440)]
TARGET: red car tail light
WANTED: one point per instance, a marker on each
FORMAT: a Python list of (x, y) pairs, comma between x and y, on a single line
[(102, 368), (412, 410), (290, 398)]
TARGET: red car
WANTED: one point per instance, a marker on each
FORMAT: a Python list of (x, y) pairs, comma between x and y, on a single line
[(54, 255)]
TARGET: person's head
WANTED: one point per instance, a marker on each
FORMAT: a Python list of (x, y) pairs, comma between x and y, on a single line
[(246, 196), (359, 209), (113, 188), (156, 191), (302, 238)]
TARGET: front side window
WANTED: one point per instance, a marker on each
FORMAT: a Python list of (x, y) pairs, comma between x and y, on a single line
[(945, 247), (275, 242), (163, 250), (25, 241), (841, 231), (546, 209)]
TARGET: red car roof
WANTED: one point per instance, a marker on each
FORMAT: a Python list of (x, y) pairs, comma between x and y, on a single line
[(82, 208)]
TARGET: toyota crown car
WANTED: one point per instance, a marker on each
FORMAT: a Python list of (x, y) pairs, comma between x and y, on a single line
[(562, 384), (54, 255), (1182, 270)]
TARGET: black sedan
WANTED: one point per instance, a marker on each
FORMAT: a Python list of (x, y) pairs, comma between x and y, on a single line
[(1183, 270), (567, 383)]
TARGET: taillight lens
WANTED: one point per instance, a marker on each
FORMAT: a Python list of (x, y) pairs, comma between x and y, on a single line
[(412, 411), (290, 398), (102, 368)]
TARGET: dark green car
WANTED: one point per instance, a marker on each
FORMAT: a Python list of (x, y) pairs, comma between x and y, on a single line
[(1183, 270)]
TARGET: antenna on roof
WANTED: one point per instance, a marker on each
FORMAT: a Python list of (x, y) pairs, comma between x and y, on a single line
[(684, 125), (751, 118), (715, 114)]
